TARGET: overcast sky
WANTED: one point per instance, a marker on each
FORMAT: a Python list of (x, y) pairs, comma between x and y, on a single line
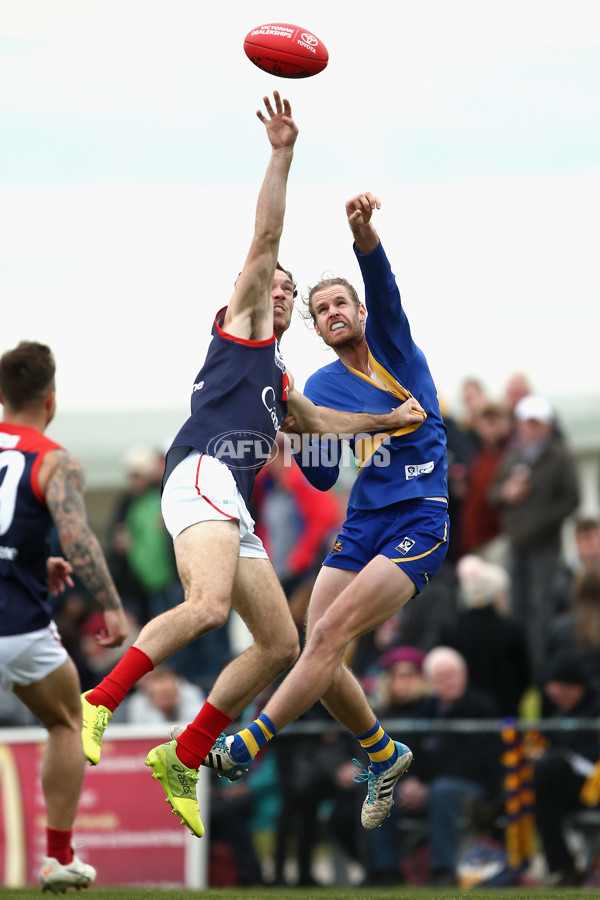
[(131, 157)]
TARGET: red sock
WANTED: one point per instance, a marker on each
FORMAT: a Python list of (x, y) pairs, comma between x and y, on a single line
[(113, 688), (58, 845), (194, 744)]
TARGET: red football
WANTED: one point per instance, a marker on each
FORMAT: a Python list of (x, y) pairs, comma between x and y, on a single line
[(285, 50)]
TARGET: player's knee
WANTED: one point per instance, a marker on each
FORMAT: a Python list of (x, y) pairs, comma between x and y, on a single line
[(290, 650), (207, 612), (62, 716), (285, 651), (326, 639), (215, 616)]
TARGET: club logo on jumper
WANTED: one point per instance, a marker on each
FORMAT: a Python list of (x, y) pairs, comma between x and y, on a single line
[(420, 469), (338, 546), (268, 396), (242, 449), (405, 545)]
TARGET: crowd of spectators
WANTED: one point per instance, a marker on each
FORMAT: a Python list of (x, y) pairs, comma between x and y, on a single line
[(509, 629)]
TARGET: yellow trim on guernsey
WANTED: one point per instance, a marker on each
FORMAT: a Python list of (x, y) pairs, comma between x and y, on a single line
[(365, 447)]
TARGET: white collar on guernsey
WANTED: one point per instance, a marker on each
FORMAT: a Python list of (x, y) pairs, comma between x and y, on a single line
[(374, 377)]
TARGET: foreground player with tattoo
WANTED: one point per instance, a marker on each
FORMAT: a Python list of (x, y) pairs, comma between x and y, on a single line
[(41, 485)]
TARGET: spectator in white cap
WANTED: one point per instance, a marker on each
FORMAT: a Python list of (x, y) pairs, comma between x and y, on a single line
[(492, 642), (536, 490), (535, 408)]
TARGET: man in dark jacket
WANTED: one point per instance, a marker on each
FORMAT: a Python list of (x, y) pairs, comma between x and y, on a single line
[(536, 490)]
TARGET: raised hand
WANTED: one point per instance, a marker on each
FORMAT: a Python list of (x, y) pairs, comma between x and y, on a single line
[(360, 209), (282, 131)]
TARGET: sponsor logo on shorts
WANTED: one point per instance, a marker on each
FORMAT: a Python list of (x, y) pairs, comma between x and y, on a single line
[(420, 469), (242, 449), (427, 577), (337, 547), (198, 386), (405, 545)]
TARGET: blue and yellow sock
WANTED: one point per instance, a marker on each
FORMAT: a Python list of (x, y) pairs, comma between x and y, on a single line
[(248, 742), (380, 747)]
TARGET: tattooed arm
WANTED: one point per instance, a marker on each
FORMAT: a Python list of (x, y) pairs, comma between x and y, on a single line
[(64, 478)]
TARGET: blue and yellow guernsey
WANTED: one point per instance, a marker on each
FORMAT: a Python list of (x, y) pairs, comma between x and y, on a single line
[(401, 465)]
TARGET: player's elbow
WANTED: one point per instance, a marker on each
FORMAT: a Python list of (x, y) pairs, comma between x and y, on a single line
[(267, 235)]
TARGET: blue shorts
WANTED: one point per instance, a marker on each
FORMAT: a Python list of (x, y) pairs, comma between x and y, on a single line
[(413, 534)]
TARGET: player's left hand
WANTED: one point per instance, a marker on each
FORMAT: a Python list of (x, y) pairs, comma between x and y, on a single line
[(59, 575)]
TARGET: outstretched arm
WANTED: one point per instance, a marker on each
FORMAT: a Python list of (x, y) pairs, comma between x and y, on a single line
[(250, 311), (64, 498), (360, 211), (311, 419)]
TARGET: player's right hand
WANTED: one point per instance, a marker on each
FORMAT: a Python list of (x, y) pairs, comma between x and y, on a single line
[(117, 628), (282, 131), (359, 209)]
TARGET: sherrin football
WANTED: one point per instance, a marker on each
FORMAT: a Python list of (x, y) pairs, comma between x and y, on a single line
[(287, 51)]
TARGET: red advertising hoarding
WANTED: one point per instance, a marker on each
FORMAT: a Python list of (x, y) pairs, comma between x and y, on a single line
[(124, 827)]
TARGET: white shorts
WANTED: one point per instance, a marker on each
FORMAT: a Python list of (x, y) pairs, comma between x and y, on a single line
[(202, 489), (27, 658)]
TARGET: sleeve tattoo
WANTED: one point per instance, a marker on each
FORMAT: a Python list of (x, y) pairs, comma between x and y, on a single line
[(64, 498)]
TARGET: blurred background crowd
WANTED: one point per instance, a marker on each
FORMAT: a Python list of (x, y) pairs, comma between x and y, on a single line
[(508, 630)]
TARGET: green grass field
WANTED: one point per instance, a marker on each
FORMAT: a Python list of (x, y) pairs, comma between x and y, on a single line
[(324, 893)]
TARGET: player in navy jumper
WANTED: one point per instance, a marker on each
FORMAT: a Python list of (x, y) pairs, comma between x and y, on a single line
[(395, 535), (239, 402), (41, 485)]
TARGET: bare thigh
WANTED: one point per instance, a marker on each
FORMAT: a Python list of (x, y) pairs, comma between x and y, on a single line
[(366, 599), (55, 699), (328, 586), (207, 557), (207, 561)]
